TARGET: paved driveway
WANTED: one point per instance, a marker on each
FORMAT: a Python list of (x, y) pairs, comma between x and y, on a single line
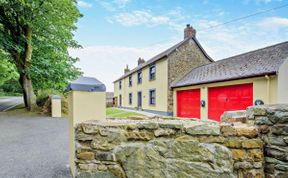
[(32, 147)]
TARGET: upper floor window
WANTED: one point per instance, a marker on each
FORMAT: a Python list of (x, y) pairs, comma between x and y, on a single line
[(152, 72), (120, 85), (130, 81), (152, 97), (139, 77), (130, 98)]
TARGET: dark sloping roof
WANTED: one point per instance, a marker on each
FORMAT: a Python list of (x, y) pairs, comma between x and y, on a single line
[(255, 63), (86, 84), (165, 54)]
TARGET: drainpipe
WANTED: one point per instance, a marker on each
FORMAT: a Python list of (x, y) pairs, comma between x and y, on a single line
[(268, 88)]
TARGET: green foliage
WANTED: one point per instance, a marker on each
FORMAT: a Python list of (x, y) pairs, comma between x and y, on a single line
[(52, 23), (43, 95), (12, 87), (7, 69)]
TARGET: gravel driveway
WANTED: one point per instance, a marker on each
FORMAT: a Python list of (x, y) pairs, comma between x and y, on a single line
[(33, 146)]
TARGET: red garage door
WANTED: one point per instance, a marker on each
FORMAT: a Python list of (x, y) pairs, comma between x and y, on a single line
[(188, 103), (228, 98)]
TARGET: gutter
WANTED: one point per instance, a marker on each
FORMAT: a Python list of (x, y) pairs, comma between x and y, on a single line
[(224, 80)]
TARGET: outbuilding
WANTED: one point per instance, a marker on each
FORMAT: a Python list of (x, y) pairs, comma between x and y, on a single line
[(256, 77)]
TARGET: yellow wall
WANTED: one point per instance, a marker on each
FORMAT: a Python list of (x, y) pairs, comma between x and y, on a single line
[(160, 84), (264, 88), (283, 83)]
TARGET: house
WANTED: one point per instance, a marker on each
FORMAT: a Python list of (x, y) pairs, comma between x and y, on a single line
[(109, 99), (256, 77), (147, 87)]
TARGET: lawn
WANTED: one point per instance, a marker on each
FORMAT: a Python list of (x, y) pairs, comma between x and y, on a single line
[(117, 113)]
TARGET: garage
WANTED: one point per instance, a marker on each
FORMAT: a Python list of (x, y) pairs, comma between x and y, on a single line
[(229, 98), (188, 103)]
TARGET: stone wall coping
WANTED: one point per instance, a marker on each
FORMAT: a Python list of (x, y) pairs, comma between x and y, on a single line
[(111, 122), (182, 126)]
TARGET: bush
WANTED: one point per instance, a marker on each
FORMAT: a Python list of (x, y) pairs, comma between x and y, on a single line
[(41, 99), (11, 88)]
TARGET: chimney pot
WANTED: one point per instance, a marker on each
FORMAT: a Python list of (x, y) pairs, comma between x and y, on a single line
[(141, 61), (126, 70), (189, 31)]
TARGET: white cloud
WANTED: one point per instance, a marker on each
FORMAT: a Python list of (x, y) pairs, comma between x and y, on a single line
[(113, 5), (228, 40), (172, 19), (274, 23), (107, 63), (84, 4)]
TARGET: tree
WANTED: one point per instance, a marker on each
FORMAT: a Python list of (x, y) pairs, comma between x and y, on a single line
[(36, 34), (7, 69)]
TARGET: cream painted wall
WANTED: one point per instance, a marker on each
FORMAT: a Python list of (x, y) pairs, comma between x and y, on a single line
[(283, 83), (262, 89), (160, 84), (83, 106), (56, 107)]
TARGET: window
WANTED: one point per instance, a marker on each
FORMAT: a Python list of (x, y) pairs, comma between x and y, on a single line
[(152, 72), (152, 97), (130, 98), (120, 100), (120, 85), (130, 81), (139, 77)]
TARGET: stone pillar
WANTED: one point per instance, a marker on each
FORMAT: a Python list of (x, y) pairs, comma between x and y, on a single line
[(86, 101), (56, 106)]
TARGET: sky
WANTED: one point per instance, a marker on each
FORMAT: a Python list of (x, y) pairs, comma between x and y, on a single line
[(114, 33)]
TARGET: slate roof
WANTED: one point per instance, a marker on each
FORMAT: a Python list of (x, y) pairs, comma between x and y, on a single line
[(86, 84), (165, 53), (260, 62)]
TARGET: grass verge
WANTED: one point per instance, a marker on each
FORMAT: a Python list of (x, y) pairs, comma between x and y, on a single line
[(118, 113)]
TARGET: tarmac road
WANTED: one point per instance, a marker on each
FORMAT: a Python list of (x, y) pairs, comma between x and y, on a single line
[(7, 103), (33, 146)]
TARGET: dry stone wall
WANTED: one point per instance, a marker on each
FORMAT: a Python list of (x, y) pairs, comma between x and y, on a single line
[(272, 125), (246, 144)]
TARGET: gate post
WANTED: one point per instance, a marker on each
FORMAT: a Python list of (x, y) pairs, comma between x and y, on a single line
[(86, 101)]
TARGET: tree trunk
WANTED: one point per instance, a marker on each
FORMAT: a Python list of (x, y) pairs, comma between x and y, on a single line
[(28, 92), (25, 80)]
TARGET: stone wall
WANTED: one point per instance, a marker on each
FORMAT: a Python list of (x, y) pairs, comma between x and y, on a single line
[(187, 57), (239, 146), (272, 124)]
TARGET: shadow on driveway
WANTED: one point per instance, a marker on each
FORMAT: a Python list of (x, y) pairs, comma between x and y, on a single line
[(33, 146)]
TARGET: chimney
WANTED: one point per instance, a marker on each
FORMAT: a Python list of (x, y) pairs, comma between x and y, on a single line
[(126, 69), (140, 61), (189, 31)]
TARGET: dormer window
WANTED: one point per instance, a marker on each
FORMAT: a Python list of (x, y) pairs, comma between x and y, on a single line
[(130, 81), (152, 72)]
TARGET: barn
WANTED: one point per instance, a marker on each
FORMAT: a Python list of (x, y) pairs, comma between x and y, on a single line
[(256, 77)]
